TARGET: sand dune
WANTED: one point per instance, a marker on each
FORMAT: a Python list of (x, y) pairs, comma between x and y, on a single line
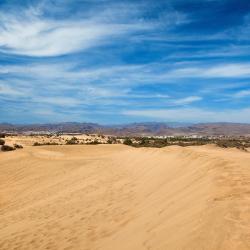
[(112, 197)]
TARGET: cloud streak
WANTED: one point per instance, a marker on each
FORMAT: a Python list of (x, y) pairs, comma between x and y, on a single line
[(237, 70), (43, 38), (30, 32), (187, 100), (193, 115)]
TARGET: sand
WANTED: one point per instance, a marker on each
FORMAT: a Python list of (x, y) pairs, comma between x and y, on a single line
[(28, 140), (115, 197)]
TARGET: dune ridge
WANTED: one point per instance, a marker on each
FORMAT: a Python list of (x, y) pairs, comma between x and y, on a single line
[(118, 197)]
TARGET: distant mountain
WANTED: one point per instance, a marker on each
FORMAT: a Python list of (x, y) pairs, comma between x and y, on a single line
[(219, 129), (71, 127), (133, 129)]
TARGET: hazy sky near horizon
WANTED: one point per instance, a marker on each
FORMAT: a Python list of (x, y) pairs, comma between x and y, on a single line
[(113, 61)]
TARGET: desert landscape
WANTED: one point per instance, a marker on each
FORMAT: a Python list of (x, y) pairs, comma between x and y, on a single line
[(107, 197), (125, 125)]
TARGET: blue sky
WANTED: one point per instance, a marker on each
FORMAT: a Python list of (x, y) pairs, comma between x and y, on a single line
[(111, 61)]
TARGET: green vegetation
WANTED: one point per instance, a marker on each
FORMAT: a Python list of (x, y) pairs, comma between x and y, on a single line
[(242, 143), (128, 142), (45, 144), (18, 146), (95, 142), (72, 141), (111, 140), (7, 148)]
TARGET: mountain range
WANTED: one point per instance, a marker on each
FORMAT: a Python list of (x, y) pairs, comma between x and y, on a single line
[(134, 129)]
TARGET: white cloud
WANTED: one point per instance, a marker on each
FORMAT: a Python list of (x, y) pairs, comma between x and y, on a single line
[(225, 52), (10, 91), (51, 38), (242, 94), (187, 100), (28, 33), (33, 32), (70, 72), (229, 70), (193, 115), (215, 71), (71, 75)]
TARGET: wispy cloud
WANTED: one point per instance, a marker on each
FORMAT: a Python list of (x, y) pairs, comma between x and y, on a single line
[(193, 115), (242, 94), (30, 32), (9, 91), (212, 52), (237, 70), (44, 38), (187, 100)]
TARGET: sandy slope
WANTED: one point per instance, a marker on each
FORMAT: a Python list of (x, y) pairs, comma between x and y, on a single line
[(117, 197)]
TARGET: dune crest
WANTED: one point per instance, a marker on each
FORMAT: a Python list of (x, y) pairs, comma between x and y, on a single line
[(111, 197)]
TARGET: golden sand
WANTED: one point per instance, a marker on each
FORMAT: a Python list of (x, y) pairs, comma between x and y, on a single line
[(114, 197)]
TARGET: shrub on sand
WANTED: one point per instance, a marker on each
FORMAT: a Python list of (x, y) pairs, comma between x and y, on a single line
[(111, 140), (45, 144), (128, 141), (18, 146), (72, 141), (7, 148), (95, 142)]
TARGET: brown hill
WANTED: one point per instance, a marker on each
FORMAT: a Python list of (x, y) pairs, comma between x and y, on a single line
[(140, 129)]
